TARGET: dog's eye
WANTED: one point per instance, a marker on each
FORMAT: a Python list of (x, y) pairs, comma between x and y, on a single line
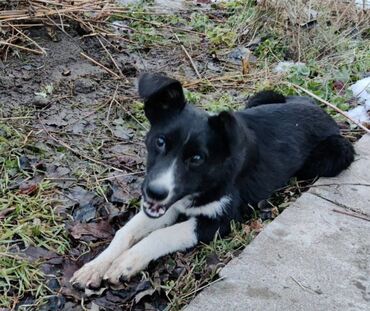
[(160, 142), (197, 159)]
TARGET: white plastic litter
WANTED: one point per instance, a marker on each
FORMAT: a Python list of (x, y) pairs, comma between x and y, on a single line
[(361, 90), (283, 67), (363, 4)]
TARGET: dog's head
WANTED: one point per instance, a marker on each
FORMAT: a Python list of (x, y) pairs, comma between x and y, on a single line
[(190, 153)]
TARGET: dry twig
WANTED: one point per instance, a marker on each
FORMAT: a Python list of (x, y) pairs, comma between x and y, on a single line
[(112, 59), (42, 50), (351, 214), (76, 152), (100, 65), (189, 57), (329, 105)]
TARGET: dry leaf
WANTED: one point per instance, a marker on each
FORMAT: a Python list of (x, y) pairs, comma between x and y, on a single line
[(100, 230), (256, 225), (28, 189)]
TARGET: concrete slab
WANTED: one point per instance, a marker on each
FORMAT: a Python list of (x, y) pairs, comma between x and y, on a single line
[(310, 258), (351, 189)]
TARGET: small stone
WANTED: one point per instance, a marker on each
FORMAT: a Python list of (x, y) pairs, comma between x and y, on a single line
[(85, 86), (27, 75), (66, 72), (40, 101)]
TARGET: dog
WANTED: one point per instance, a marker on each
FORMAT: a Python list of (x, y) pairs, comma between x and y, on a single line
[(204, 170)]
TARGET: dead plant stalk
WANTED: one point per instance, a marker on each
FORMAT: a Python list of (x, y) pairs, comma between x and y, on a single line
[(329, 105), (100, 65), (62, 143)]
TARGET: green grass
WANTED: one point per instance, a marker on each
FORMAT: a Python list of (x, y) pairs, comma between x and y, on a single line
[(224, 102), (19, 277), (32, 220), (147, 28), (28, 219)]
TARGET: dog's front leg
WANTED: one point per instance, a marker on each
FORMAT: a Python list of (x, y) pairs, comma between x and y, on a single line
[(91, 274), (178, 237)]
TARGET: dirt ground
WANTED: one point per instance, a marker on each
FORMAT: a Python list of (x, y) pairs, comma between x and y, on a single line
[(72, 111), (79, 112), (72, 138)]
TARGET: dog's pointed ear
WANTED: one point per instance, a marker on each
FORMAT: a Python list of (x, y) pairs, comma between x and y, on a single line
[(163, 96), (230, 130), (225, 122)]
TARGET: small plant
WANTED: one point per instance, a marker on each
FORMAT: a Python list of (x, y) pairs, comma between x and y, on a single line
[(224, 102), (192, 97), (272, 49), (19, 277), (32, 219), (200, 22), (220, 35), (46, 91), (27, 218)]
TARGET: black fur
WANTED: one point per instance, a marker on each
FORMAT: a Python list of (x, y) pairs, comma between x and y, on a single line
[(328, 159), (264, 98), (246, 155), (163, 97)]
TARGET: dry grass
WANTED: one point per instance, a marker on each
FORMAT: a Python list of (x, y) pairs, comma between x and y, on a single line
[(18, 16)]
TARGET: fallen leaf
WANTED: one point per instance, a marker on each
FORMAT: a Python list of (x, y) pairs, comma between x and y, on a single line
[(84, 213), (57, 119), (70, 292), (130, 160), (69, 267), (256, 225), (96, 231), (57, 171), (35, 253), (245, 66), (81, 196), (141, 295), (25, 163), (246, 229), (98, 292), (125, 189), (28, 189)]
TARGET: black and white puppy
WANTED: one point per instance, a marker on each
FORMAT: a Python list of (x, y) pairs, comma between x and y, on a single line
[(205, 170)]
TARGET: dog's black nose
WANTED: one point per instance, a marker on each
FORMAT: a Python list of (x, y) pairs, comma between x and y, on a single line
[(156, 192)]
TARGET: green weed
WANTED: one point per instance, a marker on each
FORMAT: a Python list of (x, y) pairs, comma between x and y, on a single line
[(27, 218), (19, 277), (224, 102)]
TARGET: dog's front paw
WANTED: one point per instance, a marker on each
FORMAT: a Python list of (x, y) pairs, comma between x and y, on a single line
[(125, 266), (90, 275)]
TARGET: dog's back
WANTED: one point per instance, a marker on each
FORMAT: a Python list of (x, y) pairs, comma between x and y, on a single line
[(293, 138)]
